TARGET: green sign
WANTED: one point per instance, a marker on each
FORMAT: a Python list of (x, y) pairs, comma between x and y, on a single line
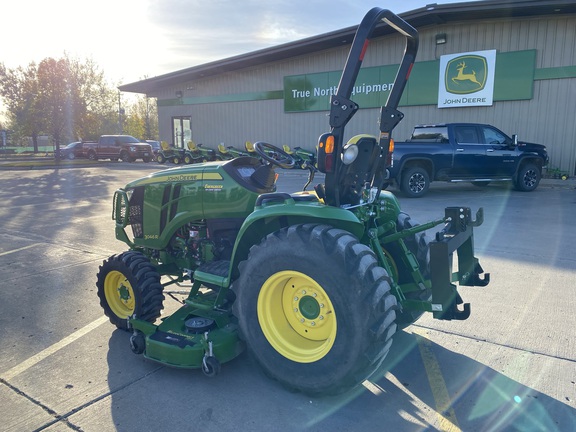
[(311, 92), (514, 80)]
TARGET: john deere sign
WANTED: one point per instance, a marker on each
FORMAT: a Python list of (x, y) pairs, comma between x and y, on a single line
[(467, 79)]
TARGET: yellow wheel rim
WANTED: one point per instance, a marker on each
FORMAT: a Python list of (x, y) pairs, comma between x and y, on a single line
[(119, 294), (297, 316)]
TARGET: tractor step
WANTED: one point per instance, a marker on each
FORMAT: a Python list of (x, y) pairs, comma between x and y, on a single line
[(216, 268), (212, 274)]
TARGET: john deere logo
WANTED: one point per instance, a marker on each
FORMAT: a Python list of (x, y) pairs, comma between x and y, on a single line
[(466, 74)]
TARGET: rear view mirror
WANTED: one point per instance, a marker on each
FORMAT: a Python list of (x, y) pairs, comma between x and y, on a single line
[(514, 140)]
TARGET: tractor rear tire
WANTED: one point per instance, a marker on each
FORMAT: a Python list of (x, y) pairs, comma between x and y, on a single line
[(129, 286), (419, 245), (315, 308)]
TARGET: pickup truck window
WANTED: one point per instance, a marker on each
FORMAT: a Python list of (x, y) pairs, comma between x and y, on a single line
[(125, 139), (466, 135), (430, 134), (492, 136)]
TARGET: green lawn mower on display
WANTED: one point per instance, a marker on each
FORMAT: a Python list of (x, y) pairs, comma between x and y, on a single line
[(313, 283)]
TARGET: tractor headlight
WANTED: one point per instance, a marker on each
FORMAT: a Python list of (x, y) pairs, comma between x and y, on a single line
[(349, 153)]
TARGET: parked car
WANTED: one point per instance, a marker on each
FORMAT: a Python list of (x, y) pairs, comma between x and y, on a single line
[(155, 146), (114, 147), (72, 151), (470, 152)]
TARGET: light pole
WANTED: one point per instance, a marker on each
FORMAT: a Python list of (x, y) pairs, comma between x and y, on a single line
[(120, 113)]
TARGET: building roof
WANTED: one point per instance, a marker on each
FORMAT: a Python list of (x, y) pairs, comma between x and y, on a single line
[(432, 14)]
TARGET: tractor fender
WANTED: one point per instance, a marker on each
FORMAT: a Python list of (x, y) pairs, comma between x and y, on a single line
[(275, 211)]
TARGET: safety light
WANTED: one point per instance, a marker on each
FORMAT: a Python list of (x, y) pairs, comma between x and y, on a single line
[(389, 159), (329, 144), (326, 153)]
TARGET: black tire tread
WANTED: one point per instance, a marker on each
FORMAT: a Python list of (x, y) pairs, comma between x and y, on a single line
[(372, 297), (145, 281)]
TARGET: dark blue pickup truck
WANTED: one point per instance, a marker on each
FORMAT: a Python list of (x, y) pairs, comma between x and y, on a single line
[(469, 152)]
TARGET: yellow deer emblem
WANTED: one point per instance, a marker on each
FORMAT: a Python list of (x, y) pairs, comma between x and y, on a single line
[(465, 76)]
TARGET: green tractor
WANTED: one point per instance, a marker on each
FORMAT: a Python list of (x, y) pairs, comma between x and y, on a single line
[(313, 283)]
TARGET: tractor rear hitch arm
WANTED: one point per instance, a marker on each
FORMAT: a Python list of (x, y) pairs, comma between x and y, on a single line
[(456, 236)]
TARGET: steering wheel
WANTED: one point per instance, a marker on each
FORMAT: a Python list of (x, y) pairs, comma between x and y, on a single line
[(283, 159)]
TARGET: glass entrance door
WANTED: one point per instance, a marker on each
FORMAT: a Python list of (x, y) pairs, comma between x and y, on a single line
[(181, 131)]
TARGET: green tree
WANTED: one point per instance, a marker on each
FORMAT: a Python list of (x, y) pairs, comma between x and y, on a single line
[(141, 118), (66, 98), (19, 91)]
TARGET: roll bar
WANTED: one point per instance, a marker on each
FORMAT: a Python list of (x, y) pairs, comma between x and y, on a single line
[(342, 108)]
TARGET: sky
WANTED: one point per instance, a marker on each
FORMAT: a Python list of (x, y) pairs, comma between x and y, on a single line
[(131, 40)]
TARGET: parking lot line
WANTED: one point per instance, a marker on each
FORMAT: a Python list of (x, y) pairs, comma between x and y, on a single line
[(20, 249), (31, 361), (444, 410)]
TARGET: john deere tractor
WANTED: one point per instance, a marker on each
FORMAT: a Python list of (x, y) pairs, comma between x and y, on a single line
[(313, 283)]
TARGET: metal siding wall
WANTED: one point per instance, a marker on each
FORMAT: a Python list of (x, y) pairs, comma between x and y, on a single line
[(548, 118)]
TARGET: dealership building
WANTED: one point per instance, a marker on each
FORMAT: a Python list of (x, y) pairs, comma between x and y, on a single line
[(511, 64)]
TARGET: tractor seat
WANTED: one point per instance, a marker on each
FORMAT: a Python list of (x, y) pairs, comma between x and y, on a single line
[(165, 146), (287, 149), (192, 146), (305, 196), (249, 147), (264, 177), (222, 148)]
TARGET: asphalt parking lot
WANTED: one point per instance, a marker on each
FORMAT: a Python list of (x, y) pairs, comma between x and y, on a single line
[(63, 366)]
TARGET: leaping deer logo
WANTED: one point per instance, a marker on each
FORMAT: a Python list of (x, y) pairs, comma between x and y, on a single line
[(465, 76)]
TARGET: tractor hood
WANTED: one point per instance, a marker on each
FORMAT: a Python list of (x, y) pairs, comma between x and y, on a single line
[(178, 174)]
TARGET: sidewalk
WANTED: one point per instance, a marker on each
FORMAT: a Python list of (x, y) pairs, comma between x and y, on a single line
[(41, 162)]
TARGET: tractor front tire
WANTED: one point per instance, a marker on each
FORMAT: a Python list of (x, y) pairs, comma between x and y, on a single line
[(160, 159), (315, 308), (129, 286)]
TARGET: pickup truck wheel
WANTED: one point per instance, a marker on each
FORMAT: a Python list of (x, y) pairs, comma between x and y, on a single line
[(528, 178), (415, 182), (419, 245), (71, 156), (129, 286), (92, 155), (146, 159), (315, 308), (125, 157)]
